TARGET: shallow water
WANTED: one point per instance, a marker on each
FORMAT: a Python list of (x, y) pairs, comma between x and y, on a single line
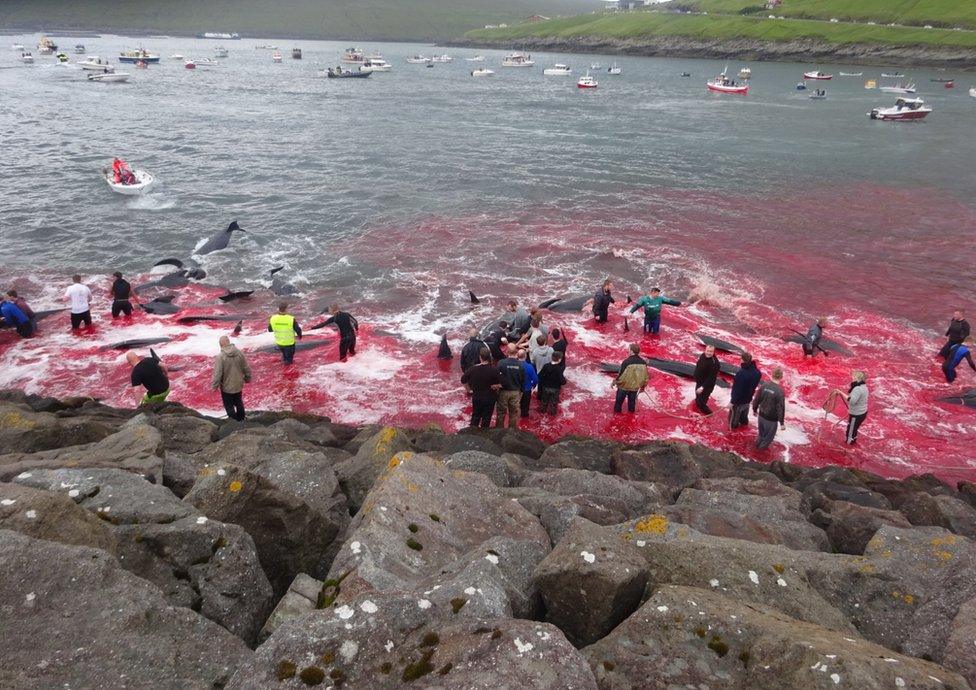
[(398, 193)]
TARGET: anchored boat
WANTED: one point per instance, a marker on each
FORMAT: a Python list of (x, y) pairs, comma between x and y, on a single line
[(904, 109)]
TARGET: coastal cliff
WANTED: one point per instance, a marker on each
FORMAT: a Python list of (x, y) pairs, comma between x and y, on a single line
[(170, 549)]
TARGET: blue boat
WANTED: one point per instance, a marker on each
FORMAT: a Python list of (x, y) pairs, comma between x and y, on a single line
[(801, 86), (140, 55)]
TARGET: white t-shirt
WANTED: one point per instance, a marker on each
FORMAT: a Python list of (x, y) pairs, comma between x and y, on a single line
[(79, 295)]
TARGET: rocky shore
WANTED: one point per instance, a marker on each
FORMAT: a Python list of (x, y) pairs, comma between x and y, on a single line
[(808, 51), (161, 548)]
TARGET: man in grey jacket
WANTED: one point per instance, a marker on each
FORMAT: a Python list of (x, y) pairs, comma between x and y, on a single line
[(769, 405), (231, 372)]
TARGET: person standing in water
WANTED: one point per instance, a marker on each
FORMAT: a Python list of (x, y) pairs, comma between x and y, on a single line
[(769, 406), (483, 381), (121, 293), (652, 304), (510, 395), (471, 352), (744, 385), (348, 328), (631, 380), (958, 353), (706, 375), (285, 329), (551, 380), (519, 318), (811, 341), (151, 374), (957, 332), (531, 381), (856, 399), (231, 372), (602, 301), (79, 297)]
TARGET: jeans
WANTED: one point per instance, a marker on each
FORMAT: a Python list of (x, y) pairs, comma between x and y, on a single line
[(481, 411), (631, 397), (652, 324), (347, 346), (853, 425), (121, 306), (287, 353), (509, 403), (548, 400), (767, 432), (738, 415), (76, 319), (524, 403), (234, 405)]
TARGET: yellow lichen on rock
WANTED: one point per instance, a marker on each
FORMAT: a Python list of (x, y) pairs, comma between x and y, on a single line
[(15, 420), (652, 524), (235, 486)]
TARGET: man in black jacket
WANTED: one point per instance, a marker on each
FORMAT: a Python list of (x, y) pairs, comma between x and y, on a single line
[(602, 301), (483, 381), (121, 296), (743, 388), (510, 396), (957, 332), (471, 352), (348, 328), (551, 380), (770, 407), (706, 374)]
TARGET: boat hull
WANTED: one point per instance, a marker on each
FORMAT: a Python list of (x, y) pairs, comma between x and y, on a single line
[(148, 60), (818, 77), (907, 116), (110, 78), (144, 182), (737, 90)]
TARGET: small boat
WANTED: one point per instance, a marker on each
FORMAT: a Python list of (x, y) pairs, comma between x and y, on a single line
[(442, 58), (27, 58), (276, 56), (972, 92), (587, 82), (109, 77), (46, 46), (557, 70), (62, 58), (137, 55), (942, 81), (852, 74), (221, 52), (596, 65), (898, 88), (949, 84), (817, 75), (518, 60), (375, 65), (417, 60), (801, 86), (896, 75), (482, 72), (818, 95), (296, 53), (353, 56), (476, 58), (722, 84), (430, 63), (903, 110), (745, 73), (144, 181), (176, 56), (205, 62), (686, 74), (79, 49), (190, 64), (220, 36), (613, 70), (870, 84), (94, 64), (339, 73)]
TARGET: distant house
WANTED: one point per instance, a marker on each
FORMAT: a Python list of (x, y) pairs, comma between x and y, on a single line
[(773, 4), (626, 4), (536, 18)]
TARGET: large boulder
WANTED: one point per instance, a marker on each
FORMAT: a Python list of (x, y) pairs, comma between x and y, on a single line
[(518, 442), (591, 582), (136, 447), (184, 433), (577, 453), (492, 466), (291, 535), (302, 597), (688, 637), (398, 640), (357, 474), (557, 513), (940, 510), (960, 650), (850, 526), (664, 462), (52, 516), (22, 430), (75, 618), (421, 516), (639, 498)]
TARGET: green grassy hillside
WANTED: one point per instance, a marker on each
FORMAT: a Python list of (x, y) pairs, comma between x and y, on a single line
[(635, 25), (353, 19), (947, 13)]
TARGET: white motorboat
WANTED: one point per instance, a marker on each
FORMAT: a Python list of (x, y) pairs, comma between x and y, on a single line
[(476, 58), (176, 56), (557, 70), (94, 64), (818, 95), (898, 88), (353, 56), (220, 35), (482, 72), (27, 58), (417, 60), (972, 92), (613, 70), (518, 60), (375, 65), (905, 109), (442, 58), (587, 82), (205, 62), (852, 74), (817, 76), (221, 52), (745, 73), (596, 65), (276, 56), (109, 77), (144, 182)]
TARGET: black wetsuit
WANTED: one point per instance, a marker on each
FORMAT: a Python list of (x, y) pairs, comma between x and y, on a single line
[(601, 304), (957, 332), (121, 294), (348, 326)]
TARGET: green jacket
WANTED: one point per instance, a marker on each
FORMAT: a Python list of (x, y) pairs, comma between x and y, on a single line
[(652, 305)]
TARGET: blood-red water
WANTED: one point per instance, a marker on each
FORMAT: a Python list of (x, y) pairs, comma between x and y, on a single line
[(885, 266)]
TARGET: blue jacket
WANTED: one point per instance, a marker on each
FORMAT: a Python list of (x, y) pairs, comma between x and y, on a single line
[(12, 314), (744, 384), (531, 378)]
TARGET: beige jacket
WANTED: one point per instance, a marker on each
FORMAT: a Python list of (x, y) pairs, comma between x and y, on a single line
[(231, 370)]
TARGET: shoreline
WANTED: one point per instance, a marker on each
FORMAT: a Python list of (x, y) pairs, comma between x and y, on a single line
[(740, 49)]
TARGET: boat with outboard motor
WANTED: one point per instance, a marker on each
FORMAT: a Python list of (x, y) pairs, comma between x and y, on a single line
[(276, 56), (339, 73), (482, 72), (587, 82), (94, 63), (613, 70), (109, 76), (80, 49), (417, 60), (905, 109), (557, 70), (221, 52), (445, 58), (818, 75), (122, 179), (518, 59), (375, 65), (140, 55), (27, 58)]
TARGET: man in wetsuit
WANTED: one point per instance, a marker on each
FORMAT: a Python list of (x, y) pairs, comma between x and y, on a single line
[(602, 301), (706, 374), (652, 304), (150, 373), (957, 332), (121, 293), (518, 317), (13, 315), (811, 342), (348, 327), (958, 353)]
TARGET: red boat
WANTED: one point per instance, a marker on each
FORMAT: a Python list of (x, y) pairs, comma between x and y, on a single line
[(722, 84), (904, 109), (817, 75)]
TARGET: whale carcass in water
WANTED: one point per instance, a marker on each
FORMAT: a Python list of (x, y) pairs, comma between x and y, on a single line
[(160, 306), (967, 398), (444, 352), (682, 369), (719, 344), (220, 240), (233, 296), (140, 342), (567, 303)]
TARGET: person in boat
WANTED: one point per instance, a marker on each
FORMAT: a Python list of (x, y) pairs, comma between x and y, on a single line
[(471, 352), (744, 385), (13, 315), (483, 381), (957, 332), (348, 328), (122, 174), (958, 353), (121, 293), (769, 406), (331, 71), (631, 380), (24, 307), (652, 304), (856, 399), (811, 341), (286, 329), (150, 373), (706, 374), (602, 301)]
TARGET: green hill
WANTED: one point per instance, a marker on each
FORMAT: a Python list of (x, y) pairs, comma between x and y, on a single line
[(944, 13), (336, 19)]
